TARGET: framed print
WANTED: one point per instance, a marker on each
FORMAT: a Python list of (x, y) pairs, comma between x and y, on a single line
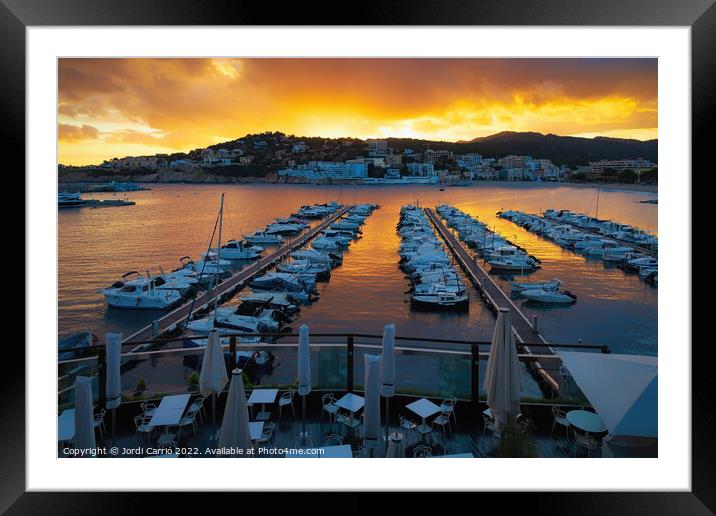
[(434, 238)]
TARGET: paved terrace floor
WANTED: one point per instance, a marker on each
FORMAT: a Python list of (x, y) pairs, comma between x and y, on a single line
[(468, 435)]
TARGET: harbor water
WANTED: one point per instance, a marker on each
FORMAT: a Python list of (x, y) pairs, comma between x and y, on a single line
[(616, 308)]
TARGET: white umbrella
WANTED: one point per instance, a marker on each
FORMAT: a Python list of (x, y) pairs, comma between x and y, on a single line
[(304, 370), (114, 382), (235, 425), (84, 419), (387, 371), (371, 409), (213, 377), (503, 381)]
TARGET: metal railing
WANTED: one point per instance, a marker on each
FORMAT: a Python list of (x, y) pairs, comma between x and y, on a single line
[(350, 342)]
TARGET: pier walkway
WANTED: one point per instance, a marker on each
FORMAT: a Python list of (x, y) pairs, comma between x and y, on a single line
[(527, 336), (169, 321)]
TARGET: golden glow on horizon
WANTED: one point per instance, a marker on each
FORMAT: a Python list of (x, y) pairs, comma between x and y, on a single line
[(117, 107)]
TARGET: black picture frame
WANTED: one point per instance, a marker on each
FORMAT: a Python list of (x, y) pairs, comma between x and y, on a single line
[(700, 15)]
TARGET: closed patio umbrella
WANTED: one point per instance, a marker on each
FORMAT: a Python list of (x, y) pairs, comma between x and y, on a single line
[(235, 425), (213, 377), (396, 446), (387, 371), (304, 371), (371, 409), (114, 382), (503, 382), (84, 419)]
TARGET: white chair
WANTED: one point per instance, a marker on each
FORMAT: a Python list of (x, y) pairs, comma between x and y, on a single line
[(443, 421), (267, 435), (287, 399), (586, 441), (333, 440), (148, 408), (409, 428), (361, 453), (448, 405), (488, 423), (99, 423), (329, 406), (142, 426), (200, 411), (422, 451), (560, 418), (187, 420)]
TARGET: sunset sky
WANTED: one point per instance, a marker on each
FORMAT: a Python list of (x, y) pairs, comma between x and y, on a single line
[(118, 107)]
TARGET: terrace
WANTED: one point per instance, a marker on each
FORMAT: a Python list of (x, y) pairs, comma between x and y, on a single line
[(434, 369)]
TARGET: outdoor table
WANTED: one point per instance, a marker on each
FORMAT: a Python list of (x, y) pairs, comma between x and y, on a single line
[(342, 451), (256, 428), (352, 403), (170, 410), (263, 396), (66, 426), (423, 408), (587, 421), (166, 439)]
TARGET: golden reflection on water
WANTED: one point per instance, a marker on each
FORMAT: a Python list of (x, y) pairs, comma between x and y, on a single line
[(96, 246)]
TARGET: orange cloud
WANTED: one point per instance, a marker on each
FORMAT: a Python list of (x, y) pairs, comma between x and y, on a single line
[(180, 104), (74, 133)]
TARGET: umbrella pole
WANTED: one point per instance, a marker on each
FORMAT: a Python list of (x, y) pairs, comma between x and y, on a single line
[(387, 421), (303, 416), (114, 425), (213, 416)]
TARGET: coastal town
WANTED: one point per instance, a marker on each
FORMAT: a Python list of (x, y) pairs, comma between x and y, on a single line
[(276, 157)]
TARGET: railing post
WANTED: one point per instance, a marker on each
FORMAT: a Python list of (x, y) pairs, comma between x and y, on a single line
[(349, 363), (232, 352), (475, 373), (102, 375)]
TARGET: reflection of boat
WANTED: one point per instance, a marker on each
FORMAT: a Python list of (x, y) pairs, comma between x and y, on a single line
[(546, 285), (549, 296)]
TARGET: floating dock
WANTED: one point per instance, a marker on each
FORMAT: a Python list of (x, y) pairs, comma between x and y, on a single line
[(526, 334), (228, 286)]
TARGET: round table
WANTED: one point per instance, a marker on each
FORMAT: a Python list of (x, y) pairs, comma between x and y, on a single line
[(585, 420)]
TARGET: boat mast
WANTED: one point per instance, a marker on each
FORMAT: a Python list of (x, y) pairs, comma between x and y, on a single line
[(596, 214), (218, 260)]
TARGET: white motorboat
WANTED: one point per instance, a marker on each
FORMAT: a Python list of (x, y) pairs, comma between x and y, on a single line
[(549, 296), (279, 300), (328, 244), (645, 262), (438, 299), (321, 270), (70, 200), (283, 229), (546, 285), (512, 264), (139, 293), (261, 237), (234, 250), (314, 256)]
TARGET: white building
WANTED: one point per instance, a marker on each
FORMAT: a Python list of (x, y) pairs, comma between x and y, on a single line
[(298, 148), (421, 169), (468, 160), (377, 147)]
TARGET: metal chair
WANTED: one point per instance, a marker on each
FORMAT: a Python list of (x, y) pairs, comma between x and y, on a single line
[(329, 406), (586, 441), (142, 426), (148, 408), (422, 451), (408, 427), (443, 421), (488, 422), (333, 440), (268, 433), (560, 418), (99, 423), (188, 420), (287, 399), (448, 405)]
